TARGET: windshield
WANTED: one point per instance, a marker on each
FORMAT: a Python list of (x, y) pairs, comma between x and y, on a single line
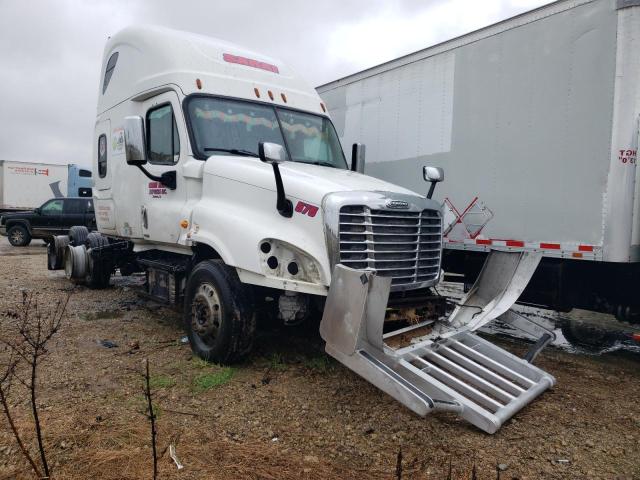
[(231, 127)]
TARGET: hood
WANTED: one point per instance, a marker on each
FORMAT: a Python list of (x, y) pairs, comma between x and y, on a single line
[(303, 181), (15, 214)]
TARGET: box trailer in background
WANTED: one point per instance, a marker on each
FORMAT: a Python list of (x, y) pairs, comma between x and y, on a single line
[(535, 121), (26, 185)]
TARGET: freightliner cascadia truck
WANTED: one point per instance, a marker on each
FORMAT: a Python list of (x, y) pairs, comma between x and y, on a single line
[(535, 121), (220, 176)]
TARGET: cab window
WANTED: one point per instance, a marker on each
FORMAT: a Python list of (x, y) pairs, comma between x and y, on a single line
[(163, 142), (74, 206), (102, 156), (54, 207)]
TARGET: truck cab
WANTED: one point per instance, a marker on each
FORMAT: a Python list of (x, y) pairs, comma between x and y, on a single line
[(205, 150)]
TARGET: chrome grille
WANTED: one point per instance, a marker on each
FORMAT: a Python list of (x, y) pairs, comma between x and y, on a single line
[(399, 244)]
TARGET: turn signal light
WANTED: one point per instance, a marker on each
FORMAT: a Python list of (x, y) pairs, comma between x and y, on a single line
[(184, 224)]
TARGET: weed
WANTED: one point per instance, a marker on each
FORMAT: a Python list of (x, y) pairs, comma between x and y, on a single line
[(321, 364), (199, 363), (277, 362), (161, 381), (206, 381)]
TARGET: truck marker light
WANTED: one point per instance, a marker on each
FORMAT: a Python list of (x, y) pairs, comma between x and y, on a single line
[(577, 255), (324, 109), (257, 92), (199, 83), (284, 97), (184, 224), (270, 94)]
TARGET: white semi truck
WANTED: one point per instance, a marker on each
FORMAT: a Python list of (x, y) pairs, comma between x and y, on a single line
[(535, 121), (220, 175)]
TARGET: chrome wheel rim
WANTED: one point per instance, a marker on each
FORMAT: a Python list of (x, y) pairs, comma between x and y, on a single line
[(17, 236), (206, 314)]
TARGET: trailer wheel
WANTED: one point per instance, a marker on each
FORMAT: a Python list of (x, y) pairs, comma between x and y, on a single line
[(78, 235), (19, 236), (55, 252), (219, 313), (98, 271)]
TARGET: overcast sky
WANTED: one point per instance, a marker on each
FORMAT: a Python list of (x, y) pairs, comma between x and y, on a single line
[(51, 50)]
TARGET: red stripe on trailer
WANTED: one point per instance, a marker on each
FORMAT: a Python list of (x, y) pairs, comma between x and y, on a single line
[(515, 243), (484, 242), (550, 246), (585, 248)]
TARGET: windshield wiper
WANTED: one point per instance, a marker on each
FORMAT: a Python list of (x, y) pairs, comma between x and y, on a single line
[(233, 151), (323, 164)]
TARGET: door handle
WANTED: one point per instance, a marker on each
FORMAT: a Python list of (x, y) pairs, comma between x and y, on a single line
[(145, 219)]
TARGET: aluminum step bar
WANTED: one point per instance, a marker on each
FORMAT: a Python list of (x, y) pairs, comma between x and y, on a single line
[(451, 368)]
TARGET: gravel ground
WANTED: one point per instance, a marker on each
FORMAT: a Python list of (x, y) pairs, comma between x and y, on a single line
[(287, 412)]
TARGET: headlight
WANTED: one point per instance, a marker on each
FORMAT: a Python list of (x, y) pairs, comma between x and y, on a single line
[(281, 259)]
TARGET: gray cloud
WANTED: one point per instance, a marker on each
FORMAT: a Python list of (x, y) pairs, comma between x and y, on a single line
[(51, 52)]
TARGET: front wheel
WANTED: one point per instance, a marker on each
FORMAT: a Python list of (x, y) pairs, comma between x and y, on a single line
[(219, 313), (19, 236)]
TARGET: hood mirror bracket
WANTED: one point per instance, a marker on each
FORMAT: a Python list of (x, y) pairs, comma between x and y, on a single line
[(275, 154)]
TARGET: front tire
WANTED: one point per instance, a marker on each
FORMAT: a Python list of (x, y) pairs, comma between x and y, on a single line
[(219, 313), (19, 236)]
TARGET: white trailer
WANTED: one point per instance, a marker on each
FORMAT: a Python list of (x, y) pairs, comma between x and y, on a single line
[(27, 185), (220, 175), (535, 121)]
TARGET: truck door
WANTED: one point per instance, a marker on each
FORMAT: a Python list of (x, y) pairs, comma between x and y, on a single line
[(50, 217), (166, 138), (73, 212), (108, 155)]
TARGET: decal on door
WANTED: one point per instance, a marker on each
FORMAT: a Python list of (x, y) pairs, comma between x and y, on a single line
[(157, 190), (117, 140), (306, 209)]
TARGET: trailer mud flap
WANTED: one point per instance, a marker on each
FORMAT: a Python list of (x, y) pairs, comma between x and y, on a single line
[(457, 372)]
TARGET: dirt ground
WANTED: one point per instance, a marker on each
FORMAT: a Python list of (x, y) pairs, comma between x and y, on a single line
[(289, 412)]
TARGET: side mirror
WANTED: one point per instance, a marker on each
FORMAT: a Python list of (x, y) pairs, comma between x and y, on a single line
[(275, 154), (134, 141), (357, 157), (433, 175), (272, 153)]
